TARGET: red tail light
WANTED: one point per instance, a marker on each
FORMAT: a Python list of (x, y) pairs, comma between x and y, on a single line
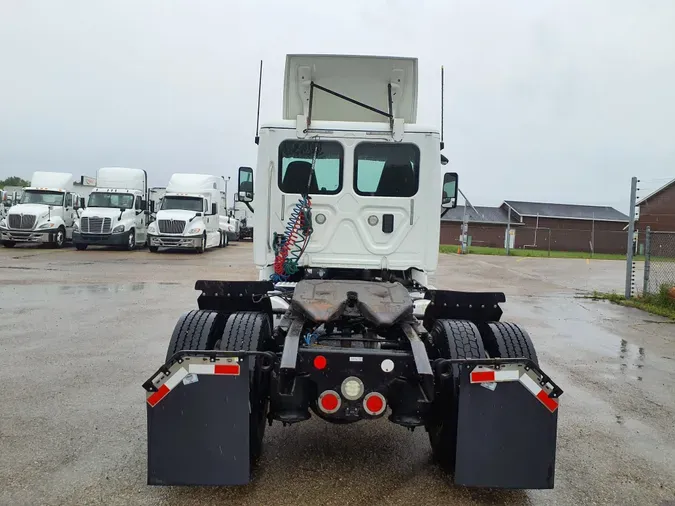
[(374, 403), (329, 401)]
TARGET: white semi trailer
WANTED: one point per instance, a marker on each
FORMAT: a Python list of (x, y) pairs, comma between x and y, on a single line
[(47, 212), (193, 214), (116, 213)]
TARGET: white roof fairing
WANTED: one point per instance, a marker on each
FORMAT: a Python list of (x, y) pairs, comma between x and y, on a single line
[(194, 183), (362, 78), (52, 180), (121, 178)]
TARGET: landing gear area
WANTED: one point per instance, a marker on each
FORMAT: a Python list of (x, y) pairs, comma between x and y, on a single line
[(350, 351)]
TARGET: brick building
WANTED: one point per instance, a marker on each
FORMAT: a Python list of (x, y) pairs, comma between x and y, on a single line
[(537, 225), (657, 210)]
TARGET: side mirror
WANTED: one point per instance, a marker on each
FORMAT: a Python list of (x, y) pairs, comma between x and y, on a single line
[(76, 204), (144, 205), (450, 190), (152, 206), (444, 160), (83, 204), (245, 190), (214, 209)]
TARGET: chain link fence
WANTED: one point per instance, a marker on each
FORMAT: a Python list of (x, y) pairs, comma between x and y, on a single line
[(659, 271)]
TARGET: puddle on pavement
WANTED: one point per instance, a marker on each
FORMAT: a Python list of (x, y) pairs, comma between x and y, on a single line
[(17, 296)]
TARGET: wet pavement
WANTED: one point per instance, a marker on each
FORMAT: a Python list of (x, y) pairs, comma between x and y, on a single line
[(81, 331)]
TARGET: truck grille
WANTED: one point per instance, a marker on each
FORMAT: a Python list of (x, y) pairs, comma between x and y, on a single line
[(95, 225), (171, 226), (22, 221)]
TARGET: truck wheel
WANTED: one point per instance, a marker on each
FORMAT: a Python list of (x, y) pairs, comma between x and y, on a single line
[(80, 246), (131, 240), (60, 237), (153, 249), (196, 330), (251, 331), (202, 247), (450, 339), (507, 340), (8, 244)]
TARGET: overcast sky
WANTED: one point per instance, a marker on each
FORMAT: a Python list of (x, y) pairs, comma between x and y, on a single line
[(559, 101)]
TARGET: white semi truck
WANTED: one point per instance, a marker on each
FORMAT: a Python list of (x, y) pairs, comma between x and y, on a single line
[(116, 213), (47, 212), (343, 324), (193, 214)]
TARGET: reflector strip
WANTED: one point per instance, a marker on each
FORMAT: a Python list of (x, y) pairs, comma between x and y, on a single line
[(229, 368), (157, 396), (483, 374), (550, 403)]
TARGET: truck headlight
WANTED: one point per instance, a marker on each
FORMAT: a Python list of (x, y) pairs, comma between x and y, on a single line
[(194, 230), (76, 226), (152, 229), (48, 225), (3, 223), (118, 229)]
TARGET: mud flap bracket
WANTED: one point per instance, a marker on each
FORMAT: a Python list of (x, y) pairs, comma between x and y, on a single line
[(506, 435)]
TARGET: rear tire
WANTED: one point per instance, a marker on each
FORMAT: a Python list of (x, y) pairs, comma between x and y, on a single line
[(252, 331), (196, 330), (8, 244), (508, 340), (80, 246), (450, 339)]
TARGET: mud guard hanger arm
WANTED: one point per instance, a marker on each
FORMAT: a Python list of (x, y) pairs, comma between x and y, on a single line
[(389, 114)]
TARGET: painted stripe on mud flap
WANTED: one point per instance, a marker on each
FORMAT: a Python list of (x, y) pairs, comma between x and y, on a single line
[(176, 378), (227, 369)]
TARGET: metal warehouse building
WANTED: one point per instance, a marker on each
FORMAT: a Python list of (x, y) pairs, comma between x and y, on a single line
[(538, 225)]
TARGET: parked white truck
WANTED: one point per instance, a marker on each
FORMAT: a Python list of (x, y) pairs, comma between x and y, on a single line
[(193, 214), (47, 212), (116, 213)]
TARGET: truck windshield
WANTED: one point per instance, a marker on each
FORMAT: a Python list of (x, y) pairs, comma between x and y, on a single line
[(47, 198), (183, 203), (114, 200)]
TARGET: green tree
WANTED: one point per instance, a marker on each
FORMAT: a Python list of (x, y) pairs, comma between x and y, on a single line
[(14, 181)]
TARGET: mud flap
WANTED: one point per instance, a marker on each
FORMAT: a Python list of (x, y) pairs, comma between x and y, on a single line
[(198, 432), (506, 437)]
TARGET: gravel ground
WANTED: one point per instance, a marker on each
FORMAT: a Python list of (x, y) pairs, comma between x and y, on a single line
[(81, 331)]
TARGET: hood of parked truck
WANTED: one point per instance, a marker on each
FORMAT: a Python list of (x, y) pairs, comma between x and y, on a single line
[(32, 209), (101, 212), (176, 214)]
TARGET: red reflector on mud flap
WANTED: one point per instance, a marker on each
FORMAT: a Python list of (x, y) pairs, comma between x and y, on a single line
[(157, 396), (482, 376), (227, 369)]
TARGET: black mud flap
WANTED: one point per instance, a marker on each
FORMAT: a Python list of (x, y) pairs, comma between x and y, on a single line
[(506, 437), (198, 432)]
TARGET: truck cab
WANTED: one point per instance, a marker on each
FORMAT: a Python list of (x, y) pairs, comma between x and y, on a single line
[(192, 214), (371, 175), (47, 213), (116, 213)]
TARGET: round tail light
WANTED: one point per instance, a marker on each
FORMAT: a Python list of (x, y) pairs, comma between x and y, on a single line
[(374, 403), (329, 401)]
